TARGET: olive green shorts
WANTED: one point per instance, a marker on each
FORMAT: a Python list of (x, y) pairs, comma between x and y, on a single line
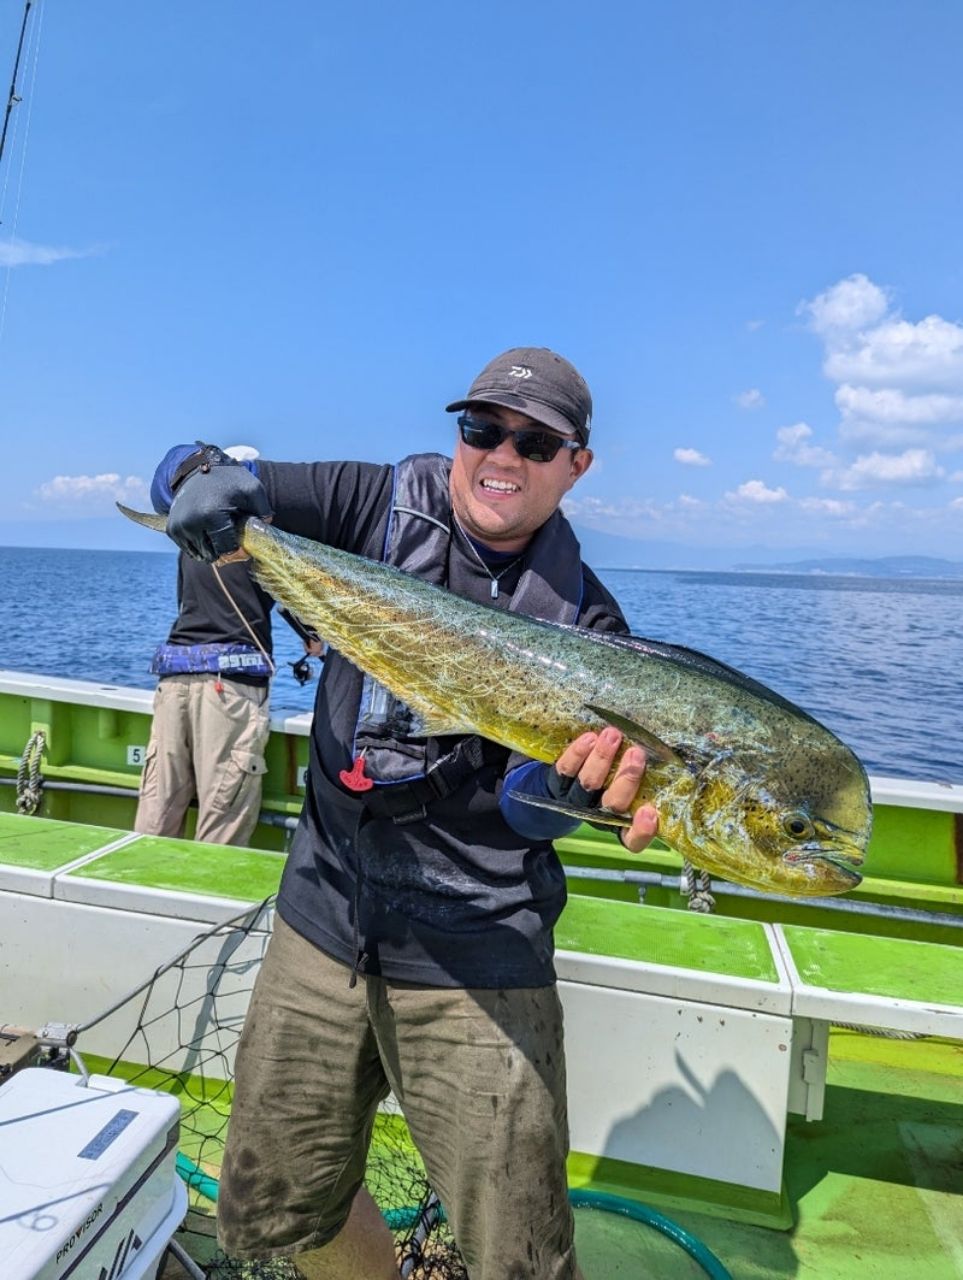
[(479, 1074)]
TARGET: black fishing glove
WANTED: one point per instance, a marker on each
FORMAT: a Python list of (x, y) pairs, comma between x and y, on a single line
[(213, 494), (570, 791)]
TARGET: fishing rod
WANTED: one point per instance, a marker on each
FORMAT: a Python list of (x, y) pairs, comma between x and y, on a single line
[(14, 97)]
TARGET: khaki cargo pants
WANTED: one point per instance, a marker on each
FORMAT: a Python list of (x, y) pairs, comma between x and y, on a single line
[(206, 741), (480, 1077)]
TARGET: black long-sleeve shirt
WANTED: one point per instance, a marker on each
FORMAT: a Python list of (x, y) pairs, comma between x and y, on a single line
[(458, 898)]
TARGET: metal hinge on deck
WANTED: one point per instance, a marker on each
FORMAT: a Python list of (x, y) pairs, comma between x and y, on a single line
[(812, 1066), (807, 1081)]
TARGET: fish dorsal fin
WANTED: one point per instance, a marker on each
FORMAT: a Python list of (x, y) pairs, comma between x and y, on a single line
[(656, 750), (693, 660)]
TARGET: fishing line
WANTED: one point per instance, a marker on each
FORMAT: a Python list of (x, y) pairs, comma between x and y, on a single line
[(247, 626)]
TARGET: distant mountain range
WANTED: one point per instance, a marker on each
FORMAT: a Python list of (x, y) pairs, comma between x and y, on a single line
[(609, 551), (880, 567), (600, 550)]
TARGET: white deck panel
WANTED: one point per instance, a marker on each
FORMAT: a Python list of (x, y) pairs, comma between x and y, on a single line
[(172, 903), (693, 1088)]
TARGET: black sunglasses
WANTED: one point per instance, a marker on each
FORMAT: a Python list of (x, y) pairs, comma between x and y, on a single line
[(529, 443)]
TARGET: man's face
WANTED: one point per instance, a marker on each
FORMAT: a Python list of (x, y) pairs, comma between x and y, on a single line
[(501, 498)]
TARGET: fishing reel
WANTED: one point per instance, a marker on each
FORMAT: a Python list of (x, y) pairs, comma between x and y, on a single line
[(301, 670)]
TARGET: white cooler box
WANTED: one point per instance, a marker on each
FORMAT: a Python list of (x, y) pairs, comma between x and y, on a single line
[(88, 1187)]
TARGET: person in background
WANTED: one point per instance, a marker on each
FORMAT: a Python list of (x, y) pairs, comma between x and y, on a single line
[(413, 944), (211, 718)]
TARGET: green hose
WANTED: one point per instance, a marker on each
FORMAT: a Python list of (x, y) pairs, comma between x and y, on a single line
[(195, 1177), (706, 1259), (404, 1218)]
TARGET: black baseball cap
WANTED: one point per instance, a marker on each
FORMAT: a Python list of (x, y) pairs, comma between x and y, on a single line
[(538, 382)]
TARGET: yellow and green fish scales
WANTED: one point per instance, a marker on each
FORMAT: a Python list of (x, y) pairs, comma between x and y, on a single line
[(749, 786)]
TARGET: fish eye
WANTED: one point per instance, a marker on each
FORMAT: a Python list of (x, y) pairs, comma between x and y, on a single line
[(797, 826)]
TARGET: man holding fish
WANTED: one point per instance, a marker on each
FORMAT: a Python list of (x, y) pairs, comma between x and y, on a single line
[(477, 690), (413, 946)]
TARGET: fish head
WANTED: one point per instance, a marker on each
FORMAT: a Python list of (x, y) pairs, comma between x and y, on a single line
[(794, 823)]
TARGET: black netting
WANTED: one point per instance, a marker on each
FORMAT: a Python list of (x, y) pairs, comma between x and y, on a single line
[(179, 1032)]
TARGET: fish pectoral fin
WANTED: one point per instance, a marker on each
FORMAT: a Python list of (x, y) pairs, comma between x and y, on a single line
[(598, 816), (434, 725), (657, 751)]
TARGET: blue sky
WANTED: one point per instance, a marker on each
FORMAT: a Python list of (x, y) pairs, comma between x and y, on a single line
[(305, 227)]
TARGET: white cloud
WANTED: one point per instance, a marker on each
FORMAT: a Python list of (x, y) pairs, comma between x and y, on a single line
[(890, 405), (93, 491), (912, 467), (794, 447), (597, 512), (750, 399), (21, 253), (691, 458), (756, 491), (857, 433), (899, 387), (927, 356), (894, 419), (846, 307), (753, 325), (833, 507), (755, 513)]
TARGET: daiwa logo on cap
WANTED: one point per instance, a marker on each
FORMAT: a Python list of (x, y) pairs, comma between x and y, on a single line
[(538, 382)]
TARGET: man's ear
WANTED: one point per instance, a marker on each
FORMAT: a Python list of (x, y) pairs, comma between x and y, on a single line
[(581, 461)]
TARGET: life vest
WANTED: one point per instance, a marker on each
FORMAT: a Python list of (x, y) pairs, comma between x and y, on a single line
[(400, 772), (211, 659)]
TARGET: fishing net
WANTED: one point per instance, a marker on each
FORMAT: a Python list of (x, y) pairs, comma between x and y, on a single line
[(178, 1032)]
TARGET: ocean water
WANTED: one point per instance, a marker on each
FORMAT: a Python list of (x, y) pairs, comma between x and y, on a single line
[(880, 661)]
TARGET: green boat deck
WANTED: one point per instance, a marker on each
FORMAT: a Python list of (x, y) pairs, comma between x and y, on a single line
[(902, 969), (875, 1185), (875, 1188), (735, 948)]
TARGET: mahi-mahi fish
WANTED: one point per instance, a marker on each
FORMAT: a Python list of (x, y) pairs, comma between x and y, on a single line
[(747, 785)]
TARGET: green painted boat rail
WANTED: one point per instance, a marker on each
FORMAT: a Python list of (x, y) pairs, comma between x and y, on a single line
[(95, 737)]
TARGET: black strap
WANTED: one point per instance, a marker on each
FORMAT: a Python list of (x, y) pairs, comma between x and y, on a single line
[(187, 468), (204, 457), (405, 802)]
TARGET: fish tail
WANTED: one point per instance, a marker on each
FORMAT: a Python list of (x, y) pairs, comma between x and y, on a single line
[(149, 519)]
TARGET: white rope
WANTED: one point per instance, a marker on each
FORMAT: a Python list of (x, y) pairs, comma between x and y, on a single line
[(882, 1032), (699, 898), (29, 777)]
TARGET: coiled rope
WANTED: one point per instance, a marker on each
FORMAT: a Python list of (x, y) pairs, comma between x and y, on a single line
[(29, 777)]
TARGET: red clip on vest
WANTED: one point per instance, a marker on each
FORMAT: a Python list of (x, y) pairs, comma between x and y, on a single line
[(354, 778)]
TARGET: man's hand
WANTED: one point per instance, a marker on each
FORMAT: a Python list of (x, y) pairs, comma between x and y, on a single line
[(584, 766), (211, 501)]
